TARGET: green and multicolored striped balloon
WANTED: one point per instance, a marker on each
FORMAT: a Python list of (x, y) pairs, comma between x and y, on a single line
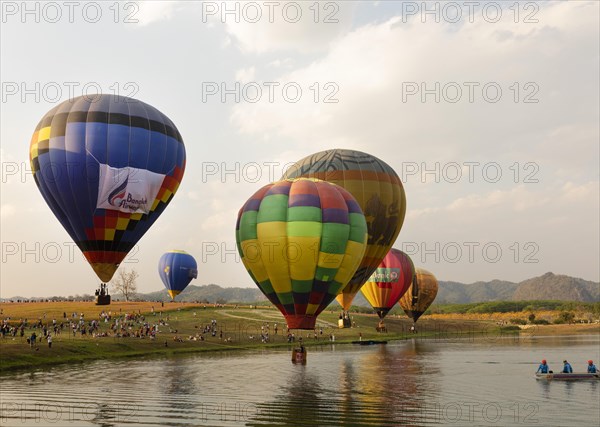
[(301, 240)]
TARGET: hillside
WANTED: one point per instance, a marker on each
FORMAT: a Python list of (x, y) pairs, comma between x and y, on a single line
[(549, 286), (546, 287), (211, 293), (557, 287), (461, 293)]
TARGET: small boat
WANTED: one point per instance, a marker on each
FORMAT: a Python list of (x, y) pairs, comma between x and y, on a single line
[(369, 342), (568, 377), (299, 356)]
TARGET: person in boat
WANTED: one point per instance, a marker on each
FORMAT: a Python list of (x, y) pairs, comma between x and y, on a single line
[(591, 367), (301, 349), (567, 369), (543, 368)]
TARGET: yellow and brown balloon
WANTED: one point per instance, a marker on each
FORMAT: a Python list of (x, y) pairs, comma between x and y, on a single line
[(420, 295), (378, 191)]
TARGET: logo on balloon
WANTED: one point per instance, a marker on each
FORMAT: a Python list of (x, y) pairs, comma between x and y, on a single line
[(128, 189), (118, 194), (124, 200), (383, 276)]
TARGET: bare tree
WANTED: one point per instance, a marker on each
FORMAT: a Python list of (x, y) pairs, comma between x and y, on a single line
[(126, 283)]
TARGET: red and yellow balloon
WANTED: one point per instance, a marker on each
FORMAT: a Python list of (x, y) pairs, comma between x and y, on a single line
[(389, 282)]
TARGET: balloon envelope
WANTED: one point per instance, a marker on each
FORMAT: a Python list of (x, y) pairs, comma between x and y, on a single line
[(420, 294), (301, 241), (389, 282), (177, 269), (107, 167), (378, 191)]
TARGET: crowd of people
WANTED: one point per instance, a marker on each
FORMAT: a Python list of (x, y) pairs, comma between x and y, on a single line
[(117, 325)]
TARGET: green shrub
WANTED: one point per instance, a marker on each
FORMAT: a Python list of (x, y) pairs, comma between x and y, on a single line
[(566, 317), (516, 306)]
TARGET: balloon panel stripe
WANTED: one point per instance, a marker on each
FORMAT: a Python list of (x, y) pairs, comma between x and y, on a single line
[(61, 120)]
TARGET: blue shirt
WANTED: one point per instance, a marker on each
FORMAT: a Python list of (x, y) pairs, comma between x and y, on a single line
[(543, 369), (592, 369), (567, 369)]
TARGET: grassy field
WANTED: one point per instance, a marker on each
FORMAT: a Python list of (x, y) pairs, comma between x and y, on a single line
[(237, 327)]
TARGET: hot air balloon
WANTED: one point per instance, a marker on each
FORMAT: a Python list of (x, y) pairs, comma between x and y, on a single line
[(177, 269), (389, 282), (420, 294), (301, 241), (378, 191), (107, 166)]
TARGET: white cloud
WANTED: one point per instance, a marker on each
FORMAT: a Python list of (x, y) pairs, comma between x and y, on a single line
[(519, 200), (155, 11), (281, 63), (245, 75), (193, 195), (589, 192), (226, 42), (285, 29), (371, 66), (556, 223)]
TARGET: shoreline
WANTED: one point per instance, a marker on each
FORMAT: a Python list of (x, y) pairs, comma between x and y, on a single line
[(237, 329)]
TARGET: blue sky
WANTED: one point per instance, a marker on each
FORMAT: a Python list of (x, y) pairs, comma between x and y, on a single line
[(375, 63)]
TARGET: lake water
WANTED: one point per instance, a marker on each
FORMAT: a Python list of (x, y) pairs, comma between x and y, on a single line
[(463, 382)]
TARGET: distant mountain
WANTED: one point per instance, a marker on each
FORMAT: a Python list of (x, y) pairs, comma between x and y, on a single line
[(557, 287), (546, 287), (461, 293), (207, 293), (549, 286)]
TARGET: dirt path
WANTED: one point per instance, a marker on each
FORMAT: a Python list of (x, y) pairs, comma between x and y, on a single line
[(270, 316)]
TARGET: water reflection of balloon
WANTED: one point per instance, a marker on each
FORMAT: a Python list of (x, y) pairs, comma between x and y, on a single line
[(389, 282), (381, 371), (302, 401), (301, 241), (347, 389), (107, 167), (177, 269), (177, 385), (379, 192), (420, 294)]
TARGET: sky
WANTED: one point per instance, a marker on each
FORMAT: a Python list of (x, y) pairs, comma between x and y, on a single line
[(488, 111)]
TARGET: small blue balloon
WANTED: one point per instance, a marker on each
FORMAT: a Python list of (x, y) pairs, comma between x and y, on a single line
[(177, 269)]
